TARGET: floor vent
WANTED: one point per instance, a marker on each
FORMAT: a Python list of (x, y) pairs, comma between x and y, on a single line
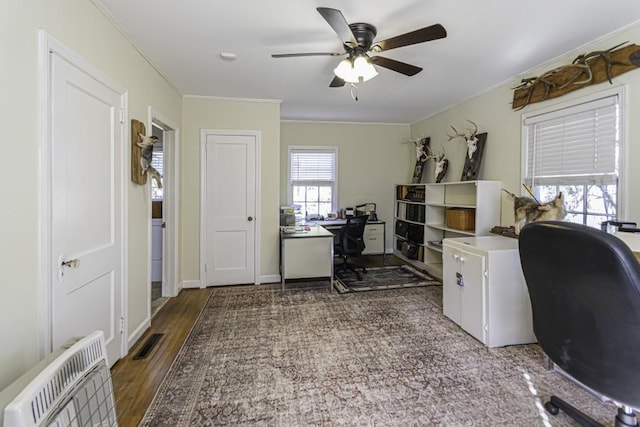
[(148, 346)]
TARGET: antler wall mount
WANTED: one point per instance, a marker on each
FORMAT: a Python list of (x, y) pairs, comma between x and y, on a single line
[(586, 69), (475, 149)]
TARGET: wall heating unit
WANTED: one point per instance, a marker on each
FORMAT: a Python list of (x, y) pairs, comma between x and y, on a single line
[(69, 388)]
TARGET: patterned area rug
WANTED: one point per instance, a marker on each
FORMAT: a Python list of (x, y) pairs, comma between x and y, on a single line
[(381, 278), (261, 356)]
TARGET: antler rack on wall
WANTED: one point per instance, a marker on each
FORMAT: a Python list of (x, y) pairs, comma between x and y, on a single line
[(587, 69)]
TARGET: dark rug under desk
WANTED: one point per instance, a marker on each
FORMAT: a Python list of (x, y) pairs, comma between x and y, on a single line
[(381, 278)]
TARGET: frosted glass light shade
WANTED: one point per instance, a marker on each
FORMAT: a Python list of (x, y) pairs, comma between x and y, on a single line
[(364, 69), (345, 71), (358, 70)]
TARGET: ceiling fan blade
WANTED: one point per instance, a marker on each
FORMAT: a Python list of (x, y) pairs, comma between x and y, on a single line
[(291, 55), (336, 82), (392, 64), (422, 35), (335, 18)]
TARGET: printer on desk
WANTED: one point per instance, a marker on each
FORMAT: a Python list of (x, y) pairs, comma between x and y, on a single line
[(287, 216), (367, 209)]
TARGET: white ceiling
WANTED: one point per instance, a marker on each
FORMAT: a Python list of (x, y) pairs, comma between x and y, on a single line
[(488, 43)]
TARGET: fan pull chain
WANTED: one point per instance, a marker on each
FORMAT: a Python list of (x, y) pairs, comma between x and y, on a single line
[(354, 92)]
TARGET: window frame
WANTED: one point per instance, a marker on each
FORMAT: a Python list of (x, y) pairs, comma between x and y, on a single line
[(313, 148), (623, 160)]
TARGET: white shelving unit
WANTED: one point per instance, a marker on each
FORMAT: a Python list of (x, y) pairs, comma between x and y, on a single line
[(479, 199), (410, 215)]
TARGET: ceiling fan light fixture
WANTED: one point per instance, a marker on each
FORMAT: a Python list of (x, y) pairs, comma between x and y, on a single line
[(356, 70), (363, 68), (345, 71)]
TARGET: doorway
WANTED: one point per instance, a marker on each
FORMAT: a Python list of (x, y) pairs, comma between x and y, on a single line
[(163, 213), (158, 296)]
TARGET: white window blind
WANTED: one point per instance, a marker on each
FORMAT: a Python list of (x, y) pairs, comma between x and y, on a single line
[(157, 161), (579, 144), (315, 165)]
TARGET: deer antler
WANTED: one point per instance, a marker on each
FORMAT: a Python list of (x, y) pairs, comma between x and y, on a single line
[(475, 130), (437, 155), (457, 134), (472, 133)]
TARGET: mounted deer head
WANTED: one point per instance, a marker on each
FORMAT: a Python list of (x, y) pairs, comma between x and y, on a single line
[(470, 139), (441, 163), (421, 149)]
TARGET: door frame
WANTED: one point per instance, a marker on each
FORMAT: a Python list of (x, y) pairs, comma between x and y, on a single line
[(170, 211), (47, 46), (203, 195)]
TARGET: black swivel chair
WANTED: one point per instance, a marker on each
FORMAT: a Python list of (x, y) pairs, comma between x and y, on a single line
[(584, 286), (351, 244)]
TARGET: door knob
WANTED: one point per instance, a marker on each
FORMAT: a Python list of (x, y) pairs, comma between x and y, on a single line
[(72, 263), (250, 218)]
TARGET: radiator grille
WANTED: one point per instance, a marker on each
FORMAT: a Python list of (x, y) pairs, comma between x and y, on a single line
[(73, 390)]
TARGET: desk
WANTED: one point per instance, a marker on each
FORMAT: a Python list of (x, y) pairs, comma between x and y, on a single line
[(306, 254), (632, 240), (375, 240)]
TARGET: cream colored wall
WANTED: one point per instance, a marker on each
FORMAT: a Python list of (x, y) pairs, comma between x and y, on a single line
[(493, 114), (82, 28), (371, 159), (209, 113)]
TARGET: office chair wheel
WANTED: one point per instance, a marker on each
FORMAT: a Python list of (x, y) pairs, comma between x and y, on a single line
[(551, 408)]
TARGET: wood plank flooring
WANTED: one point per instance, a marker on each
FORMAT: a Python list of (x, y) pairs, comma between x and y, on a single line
[(135, 382)]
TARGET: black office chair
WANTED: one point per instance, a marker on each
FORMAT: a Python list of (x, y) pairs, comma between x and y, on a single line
[(351, 244), (584, 286)]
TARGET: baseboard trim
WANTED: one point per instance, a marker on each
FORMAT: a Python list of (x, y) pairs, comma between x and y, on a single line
[(270, 278), (138, 332), (189, 284)]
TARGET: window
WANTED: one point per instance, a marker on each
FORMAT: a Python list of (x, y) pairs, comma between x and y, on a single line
[(313, 180), (157, 161), (576, 149)]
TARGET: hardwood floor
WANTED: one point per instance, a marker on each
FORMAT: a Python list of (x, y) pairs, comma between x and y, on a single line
[(135, 381)]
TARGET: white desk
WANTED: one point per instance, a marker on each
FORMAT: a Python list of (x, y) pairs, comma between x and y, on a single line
[(306, 254), (632, 240)]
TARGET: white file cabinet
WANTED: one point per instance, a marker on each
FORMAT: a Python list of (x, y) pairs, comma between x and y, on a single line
[(484, 290), (373, 238)]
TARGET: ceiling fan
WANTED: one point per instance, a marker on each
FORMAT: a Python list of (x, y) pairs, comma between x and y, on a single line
[(358, 42)]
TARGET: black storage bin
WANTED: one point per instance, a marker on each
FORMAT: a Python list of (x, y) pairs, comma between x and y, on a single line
[(410, 250), (415, 233), (402, 228)]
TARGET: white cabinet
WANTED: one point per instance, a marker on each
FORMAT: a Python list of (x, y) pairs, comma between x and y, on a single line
[(373, 239), (424, 207), (306, 254), (484, 290)]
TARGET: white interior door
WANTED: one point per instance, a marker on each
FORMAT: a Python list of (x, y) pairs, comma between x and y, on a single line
[(86, 201), (229, 208)]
